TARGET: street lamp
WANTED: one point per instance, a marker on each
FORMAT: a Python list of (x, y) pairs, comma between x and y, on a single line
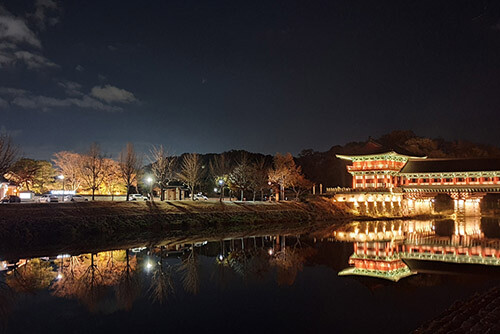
[(149, 180), (221, 184), (61, 177)]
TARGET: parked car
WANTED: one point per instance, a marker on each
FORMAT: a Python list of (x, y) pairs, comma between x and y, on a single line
[(75, 198), (137, 197), (200, 196), (48, 198), (11, 199)]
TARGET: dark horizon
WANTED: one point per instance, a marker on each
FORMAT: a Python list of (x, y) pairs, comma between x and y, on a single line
[(262, 77)]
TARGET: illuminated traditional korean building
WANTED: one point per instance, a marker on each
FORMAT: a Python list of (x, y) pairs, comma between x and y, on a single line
[(377, 166)]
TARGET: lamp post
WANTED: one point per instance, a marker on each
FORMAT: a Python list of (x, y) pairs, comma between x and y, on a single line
[(149, 180), (269, 183), (61, 177), (221, 184)]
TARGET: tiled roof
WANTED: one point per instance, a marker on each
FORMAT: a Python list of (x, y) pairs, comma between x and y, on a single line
[(451, 165)]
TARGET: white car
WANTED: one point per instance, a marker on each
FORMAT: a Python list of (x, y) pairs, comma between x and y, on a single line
[(200, 196), (48, 198), (137, 197), (75, 198)]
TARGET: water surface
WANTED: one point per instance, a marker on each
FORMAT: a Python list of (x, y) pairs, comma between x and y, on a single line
[(259, 283)]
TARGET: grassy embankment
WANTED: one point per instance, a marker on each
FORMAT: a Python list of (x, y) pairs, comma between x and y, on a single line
[(42, 229), (89, 225)]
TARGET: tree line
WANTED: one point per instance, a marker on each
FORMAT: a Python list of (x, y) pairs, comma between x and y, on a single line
[(235, 174)]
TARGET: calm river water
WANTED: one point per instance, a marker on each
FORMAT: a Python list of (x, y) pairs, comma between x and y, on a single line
[(394, 276)]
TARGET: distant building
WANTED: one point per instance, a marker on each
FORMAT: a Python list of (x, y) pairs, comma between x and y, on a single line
[(7, 188)]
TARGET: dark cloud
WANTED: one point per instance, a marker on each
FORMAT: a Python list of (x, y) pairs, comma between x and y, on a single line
[(111, 94), (46, 13)]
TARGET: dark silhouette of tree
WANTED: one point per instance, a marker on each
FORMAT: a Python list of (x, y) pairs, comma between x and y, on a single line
[(93, 172), (130, 165), (8, 153)]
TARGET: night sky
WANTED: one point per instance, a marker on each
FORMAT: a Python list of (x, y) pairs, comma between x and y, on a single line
[(265, 76)]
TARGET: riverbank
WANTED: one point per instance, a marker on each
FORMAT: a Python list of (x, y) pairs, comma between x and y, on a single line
[(39, 228), (31, 229)]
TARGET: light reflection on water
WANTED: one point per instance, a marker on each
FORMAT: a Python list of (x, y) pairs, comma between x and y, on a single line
[(259, 280)]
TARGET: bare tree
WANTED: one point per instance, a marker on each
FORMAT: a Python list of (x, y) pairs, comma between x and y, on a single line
[(191, 171), (162, 165), (70, 165), (130, 164), (93, 168), (112, 177), (8, 153), (282, 172), (259, 177), (299, 184), (220, 168), (240, 177)]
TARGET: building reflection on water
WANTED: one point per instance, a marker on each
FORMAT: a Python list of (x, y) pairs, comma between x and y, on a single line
[(397, 249)]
